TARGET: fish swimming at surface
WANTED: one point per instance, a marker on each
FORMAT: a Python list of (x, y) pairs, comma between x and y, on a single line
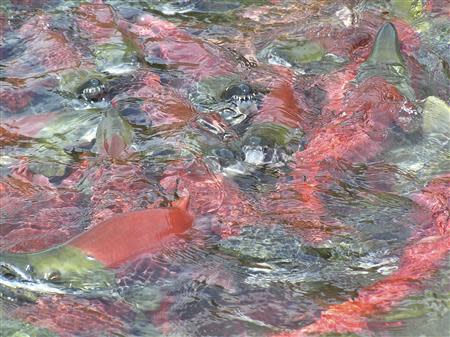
[(83, 261), (285, 146)]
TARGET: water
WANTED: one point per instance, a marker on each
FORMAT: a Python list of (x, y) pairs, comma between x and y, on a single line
[(305, 152)]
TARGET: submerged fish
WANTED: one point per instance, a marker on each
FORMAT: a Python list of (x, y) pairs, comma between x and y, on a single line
[(85, 261), (427, 250), (358, 134), (360, 131), (164, 44), (387, 61)]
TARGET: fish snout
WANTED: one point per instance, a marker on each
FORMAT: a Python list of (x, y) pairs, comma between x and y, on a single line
[(12, 272)]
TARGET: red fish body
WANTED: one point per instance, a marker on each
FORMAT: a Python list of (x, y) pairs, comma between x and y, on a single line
[(427, 250), (37, 60), (97, 22), (29, 74), (365, 114), (439, 7), (36, 214), (76, 316), (280, 105), (15, 98), (164, 43), (164, 106), (360, 133), (26, 126), (355, 127), (116, 189), (84, 262), (126, 236), (229, 205)]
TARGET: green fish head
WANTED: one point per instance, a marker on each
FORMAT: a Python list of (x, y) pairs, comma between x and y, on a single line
[(63, 267), (386, 48), (386, 61), (114, 135)]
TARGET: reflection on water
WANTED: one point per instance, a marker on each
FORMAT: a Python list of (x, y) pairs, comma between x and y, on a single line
[(304, 132)]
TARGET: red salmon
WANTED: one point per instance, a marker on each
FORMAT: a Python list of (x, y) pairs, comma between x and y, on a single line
[(126, 236), (427, 250)]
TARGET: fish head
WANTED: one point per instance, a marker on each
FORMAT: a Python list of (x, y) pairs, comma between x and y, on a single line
[(241, 101), (92, 90), (63, 267), (269, 143), (387, 61), (114, 136)]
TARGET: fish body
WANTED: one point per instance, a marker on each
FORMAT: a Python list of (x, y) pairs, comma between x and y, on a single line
[(85, 262), (126, 236), (357, 134), (425, 253), (360, 129), (164, 44)]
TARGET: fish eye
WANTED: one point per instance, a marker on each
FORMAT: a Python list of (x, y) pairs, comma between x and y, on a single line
[(94, 83), (54, 276), (254, 141)]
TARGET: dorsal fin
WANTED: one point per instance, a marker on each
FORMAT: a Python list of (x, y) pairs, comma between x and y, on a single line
[(181, 203)]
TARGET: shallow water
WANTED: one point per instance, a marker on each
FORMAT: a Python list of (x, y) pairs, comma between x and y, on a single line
[(303, 192)]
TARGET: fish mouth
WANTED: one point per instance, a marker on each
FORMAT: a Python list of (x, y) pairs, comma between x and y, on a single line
[(93, 93), (11, 272), (238, 92), (242, 102), (243, 98), (92, 90), (17, 284)]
